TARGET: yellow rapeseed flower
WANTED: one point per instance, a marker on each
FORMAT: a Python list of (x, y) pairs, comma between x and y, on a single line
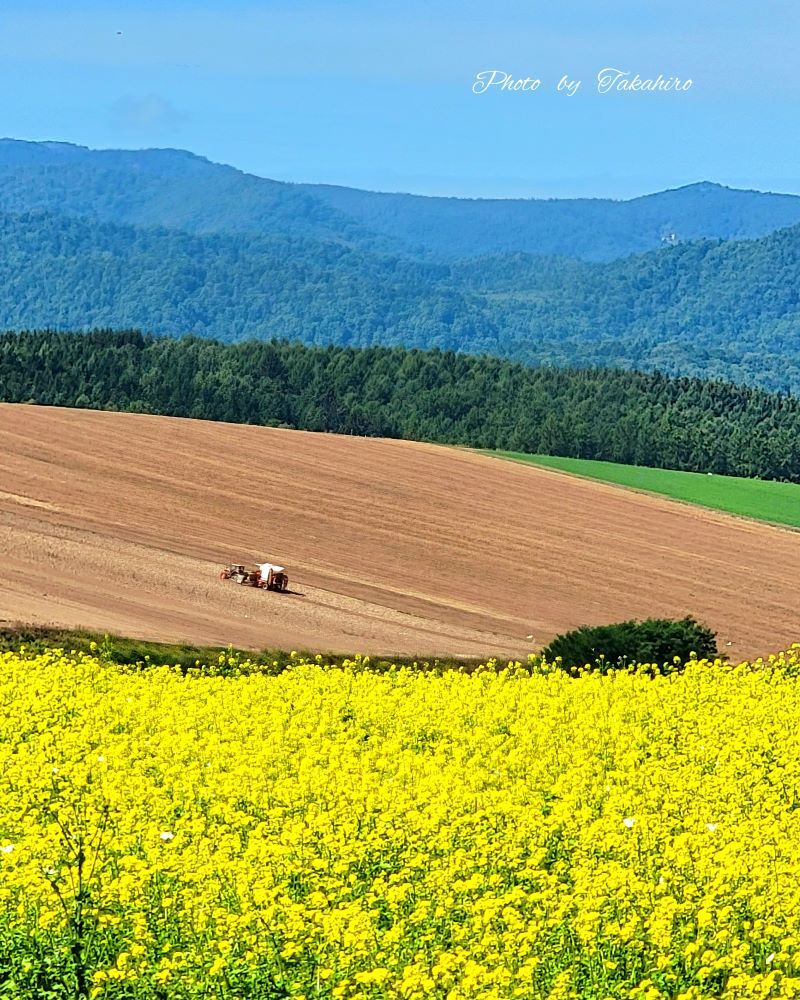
[(348, 832)]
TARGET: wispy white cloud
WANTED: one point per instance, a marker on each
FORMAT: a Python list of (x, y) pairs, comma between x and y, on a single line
[(150, 114)]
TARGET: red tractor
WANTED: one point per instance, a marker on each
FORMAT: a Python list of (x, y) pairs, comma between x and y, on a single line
[(267, 576)]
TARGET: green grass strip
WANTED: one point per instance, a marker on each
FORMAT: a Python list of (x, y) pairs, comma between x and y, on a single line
[(126, 651), (757, 498)]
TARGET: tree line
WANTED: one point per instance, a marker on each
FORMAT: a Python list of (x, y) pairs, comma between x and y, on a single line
[(439, 396)]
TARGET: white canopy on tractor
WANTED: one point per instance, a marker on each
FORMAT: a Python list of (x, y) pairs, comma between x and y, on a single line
[(265, 569)]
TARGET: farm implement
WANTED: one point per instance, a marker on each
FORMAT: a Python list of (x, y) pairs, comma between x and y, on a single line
[(266, 576)]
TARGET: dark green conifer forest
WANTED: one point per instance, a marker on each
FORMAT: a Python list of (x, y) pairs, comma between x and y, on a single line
[(441, 396)]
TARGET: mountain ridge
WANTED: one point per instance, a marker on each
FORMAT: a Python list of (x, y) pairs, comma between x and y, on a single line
[(74, 148), (180, 189), (171, 243)]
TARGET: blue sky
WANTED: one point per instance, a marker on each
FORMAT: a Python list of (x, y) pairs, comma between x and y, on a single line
[(378, 94)]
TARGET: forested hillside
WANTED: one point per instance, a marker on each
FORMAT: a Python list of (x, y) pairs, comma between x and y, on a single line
[(163, 187), (717, 309), (177, 189), (585, 228), (721, 309), (422, 395), (72, 273)]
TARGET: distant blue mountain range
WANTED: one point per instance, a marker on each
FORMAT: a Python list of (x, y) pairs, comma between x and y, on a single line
[(174, 188), (702, 280)]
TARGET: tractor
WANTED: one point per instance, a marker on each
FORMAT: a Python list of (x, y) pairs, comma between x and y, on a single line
[(267, 576)]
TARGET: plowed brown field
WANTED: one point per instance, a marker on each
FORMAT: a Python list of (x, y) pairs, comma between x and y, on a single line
[(120, 522)]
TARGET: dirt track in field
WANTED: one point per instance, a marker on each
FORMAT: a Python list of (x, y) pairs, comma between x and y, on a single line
[(120, 522)]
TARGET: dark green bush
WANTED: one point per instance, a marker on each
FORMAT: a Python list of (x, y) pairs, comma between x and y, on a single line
[(611, 647)]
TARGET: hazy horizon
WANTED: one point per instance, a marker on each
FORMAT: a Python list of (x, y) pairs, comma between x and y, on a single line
[(645, 192)]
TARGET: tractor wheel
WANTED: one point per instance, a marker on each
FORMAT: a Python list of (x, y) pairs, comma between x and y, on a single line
[(223, 575)]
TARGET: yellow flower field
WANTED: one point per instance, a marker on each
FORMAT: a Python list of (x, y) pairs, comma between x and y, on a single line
[(342, 833)]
